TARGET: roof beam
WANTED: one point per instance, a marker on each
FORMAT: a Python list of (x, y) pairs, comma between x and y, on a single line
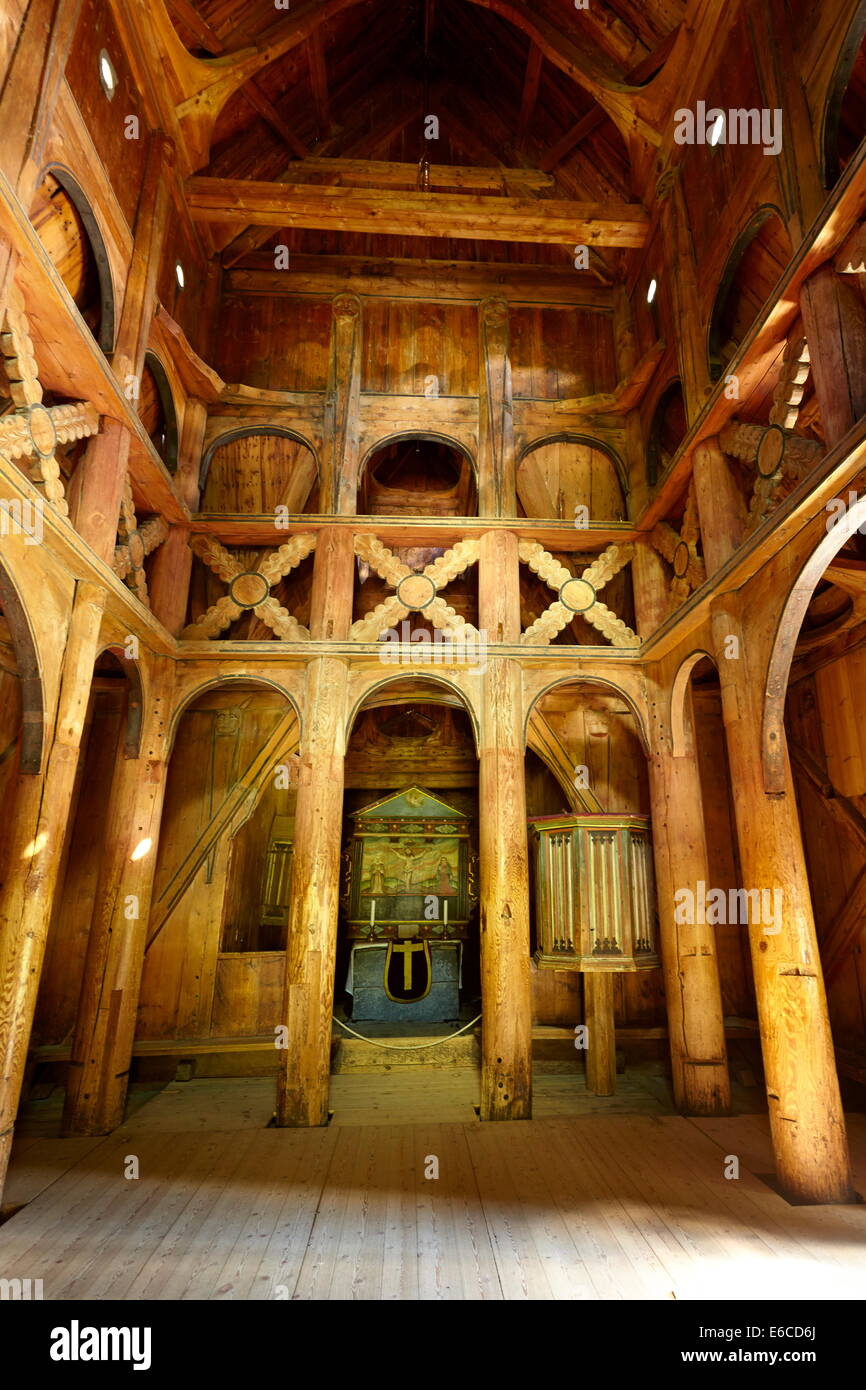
[(531, 82), (375, 173), (319, 82), (464, 217)]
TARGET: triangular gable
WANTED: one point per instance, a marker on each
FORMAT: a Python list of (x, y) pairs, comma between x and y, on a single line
[(414, 802)]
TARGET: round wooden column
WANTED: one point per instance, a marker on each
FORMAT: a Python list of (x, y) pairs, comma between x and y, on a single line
[(806, 1119), (98, 1074), (693, 996), (601, 1032), (506, 1047), (305, 1065), (41, 813)]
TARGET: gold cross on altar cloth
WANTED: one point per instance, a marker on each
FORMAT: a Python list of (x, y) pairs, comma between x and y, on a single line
[(406, 949)]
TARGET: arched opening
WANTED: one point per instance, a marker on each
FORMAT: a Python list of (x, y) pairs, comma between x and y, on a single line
[(570, 477), (586, 759), (408, 944), (259, 470), (219, 914), (111, 728), (417, 475), (69, 231), (814, 713), (698, 733), (845, 111), (668, 429), (156, 410), (759, 256)]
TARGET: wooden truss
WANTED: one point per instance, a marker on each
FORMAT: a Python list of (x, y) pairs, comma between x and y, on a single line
[(781, 460), (577, 595), (250, 589), (414, 591), (34, 431)]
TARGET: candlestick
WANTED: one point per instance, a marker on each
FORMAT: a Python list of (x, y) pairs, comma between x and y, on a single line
[(446, 912), (372, 912)]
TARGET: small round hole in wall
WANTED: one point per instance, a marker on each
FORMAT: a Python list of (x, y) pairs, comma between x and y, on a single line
[(179, 275), (107, 75)]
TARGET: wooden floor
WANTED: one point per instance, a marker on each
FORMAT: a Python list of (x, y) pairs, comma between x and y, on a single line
[(590, 1200)]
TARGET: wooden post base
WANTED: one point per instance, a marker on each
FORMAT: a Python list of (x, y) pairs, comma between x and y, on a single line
[(601, 1049)]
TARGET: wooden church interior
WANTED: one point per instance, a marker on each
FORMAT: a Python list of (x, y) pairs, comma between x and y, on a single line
[(431, 554)]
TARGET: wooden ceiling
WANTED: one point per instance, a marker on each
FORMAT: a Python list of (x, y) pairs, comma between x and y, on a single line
[(360, 86)]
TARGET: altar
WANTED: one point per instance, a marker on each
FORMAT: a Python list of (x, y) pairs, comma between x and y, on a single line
[(407, 899)]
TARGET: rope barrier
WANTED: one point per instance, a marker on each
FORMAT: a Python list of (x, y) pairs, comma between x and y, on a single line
[(413, 1047)]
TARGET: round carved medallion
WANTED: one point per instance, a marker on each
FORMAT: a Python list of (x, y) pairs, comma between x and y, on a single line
[(43, 435), (681, 560), (248, 589), (770, 451), (577, 595), (416, 591)]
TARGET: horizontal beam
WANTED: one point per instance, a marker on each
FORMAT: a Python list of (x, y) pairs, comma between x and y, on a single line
[(415, 214), (248, 530), (421, 279), (381, 173)]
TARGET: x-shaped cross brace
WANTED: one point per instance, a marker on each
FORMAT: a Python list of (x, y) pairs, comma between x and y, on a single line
[(35, 430), (250, 589), (680, 549), (135, 542), (414, 592), (576, 595)]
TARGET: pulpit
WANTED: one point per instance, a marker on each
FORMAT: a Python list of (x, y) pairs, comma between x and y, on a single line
[(595, 912), (407, 900)]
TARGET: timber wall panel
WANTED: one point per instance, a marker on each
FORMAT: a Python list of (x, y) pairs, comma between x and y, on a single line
[(278, 344), (405, 342), (123, 159), (560, 353)]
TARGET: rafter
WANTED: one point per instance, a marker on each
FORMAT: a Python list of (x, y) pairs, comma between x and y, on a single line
[(422, 214), (531, 83), (319, 81)]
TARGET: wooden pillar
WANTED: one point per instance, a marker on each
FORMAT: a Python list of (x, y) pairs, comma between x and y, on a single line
[(341, 440), (497, 469), (41, 814), (806, 1120), (305, 1066), (101, 1057), (45, 30), (681, 271), (721, 507), (693, 994), (690, 968), (506, 1062), (601, 1033), (105, 462), (168, 584), (834, 317)]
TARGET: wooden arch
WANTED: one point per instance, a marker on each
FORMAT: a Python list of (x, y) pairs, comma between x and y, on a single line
[(854, 36), (27, 661), (135, 699), (107, 311), (169, 409), (429, 436), (785, 641), (243, 432), (366, 700), (754, 223), (682, 733), (232, 678), (590, 442), (580, 678)]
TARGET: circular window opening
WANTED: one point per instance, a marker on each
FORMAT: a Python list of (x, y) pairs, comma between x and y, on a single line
[(107, 75)]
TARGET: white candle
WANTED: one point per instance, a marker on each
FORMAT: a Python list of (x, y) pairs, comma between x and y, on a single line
[(446, 912), (372, 912)]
